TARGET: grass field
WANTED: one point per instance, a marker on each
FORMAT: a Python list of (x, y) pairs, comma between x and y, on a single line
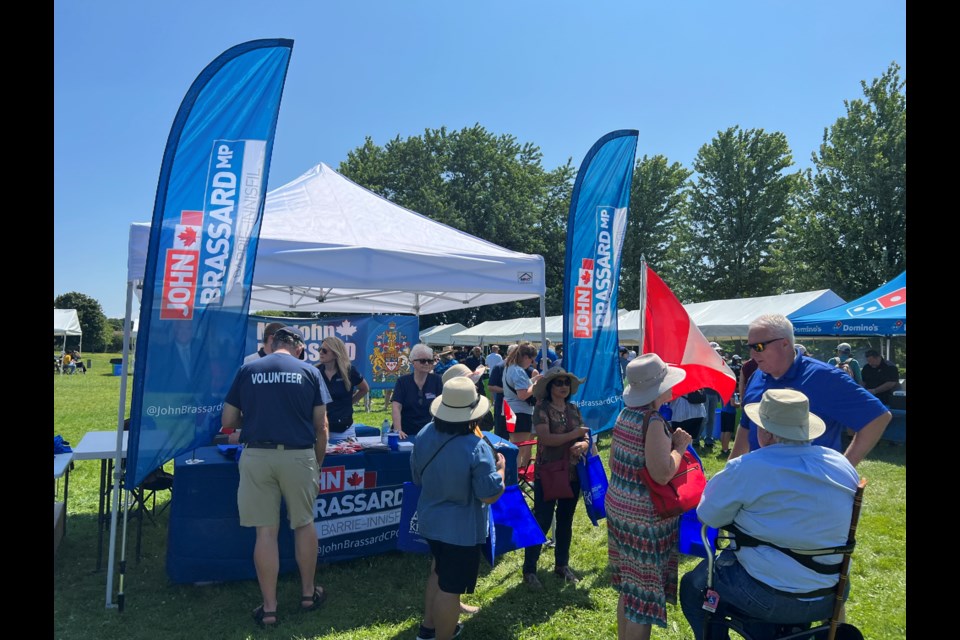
[(381, 597)]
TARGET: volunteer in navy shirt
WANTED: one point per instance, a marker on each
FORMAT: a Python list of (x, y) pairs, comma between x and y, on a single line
[(414, 392), (277, 402), (346, 385)]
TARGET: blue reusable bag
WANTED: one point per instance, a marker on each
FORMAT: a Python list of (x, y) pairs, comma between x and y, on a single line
[(511, 525), (593, 483), (409, 538)]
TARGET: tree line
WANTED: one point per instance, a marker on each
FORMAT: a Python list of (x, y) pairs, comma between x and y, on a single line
[(742, 221)]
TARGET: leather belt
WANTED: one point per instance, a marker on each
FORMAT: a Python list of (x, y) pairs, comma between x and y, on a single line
[(277, 445)]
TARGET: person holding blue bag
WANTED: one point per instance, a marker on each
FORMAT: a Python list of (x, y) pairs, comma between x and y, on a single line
[(562, 439), (459, 478)]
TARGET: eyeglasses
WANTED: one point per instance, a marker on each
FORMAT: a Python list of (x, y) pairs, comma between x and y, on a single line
[(324, 350), (424, 361), (760, 346), (561, 382)]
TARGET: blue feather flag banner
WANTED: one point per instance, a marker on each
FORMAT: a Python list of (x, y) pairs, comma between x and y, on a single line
[(595, 231), (200, 260)]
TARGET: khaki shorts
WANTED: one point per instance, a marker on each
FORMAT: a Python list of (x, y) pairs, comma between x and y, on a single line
[(268, 474)]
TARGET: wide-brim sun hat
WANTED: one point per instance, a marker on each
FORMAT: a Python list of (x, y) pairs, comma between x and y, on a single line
[(540, 386), (461, 369), (786, 413), (647, 378), (455, 371), (459, 401)]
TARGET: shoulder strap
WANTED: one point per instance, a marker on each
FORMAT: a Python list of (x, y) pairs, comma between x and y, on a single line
[(803, 556), (646, 419), (440, 448)]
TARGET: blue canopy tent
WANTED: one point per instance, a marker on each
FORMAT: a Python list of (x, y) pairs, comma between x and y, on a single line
[(882, 312)]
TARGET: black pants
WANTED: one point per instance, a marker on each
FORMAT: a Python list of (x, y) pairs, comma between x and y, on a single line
[(692, 427), (543, 511)]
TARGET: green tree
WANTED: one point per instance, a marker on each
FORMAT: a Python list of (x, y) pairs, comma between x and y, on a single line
[(93, 323), (724, 239), (657, 196), (490, 186), (857, 219)]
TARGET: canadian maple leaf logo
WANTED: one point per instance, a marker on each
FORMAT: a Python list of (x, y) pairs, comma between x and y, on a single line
[(188, 236), (584, 277), (355, 479), (346, 329)]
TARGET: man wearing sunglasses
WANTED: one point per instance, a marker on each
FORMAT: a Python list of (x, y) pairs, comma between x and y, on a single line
[(834, 395)]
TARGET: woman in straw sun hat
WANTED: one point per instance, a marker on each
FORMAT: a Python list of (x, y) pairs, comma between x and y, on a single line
[(642, 547), (459, 475), (560, 432)]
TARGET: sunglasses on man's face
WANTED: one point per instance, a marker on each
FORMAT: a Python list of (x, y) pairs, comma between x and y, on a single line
[(424, 361), (760, 346), (561, 382)]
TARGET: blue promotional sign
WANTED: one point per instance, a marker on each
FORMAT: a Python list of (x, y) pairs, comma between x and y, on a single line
[(357, 512), (378, 345), (200, 260), (595, 232)]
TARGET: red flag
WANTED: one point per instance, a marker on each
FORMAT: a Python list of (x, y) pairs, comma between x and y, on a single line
[(509, 416), (671, 334)]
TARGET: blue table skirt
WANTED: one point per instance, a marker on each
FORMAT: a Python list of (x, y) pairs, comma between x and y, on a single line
[(357, 512)]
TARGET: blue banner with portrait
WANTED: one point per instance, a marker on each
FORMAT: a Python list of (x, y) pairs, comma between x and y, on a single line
[(595, 232), (378, 345), (200, 259)]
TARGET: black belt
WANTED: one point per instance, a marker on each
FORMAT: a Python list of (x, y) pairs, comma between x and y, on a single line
[(277, 445)]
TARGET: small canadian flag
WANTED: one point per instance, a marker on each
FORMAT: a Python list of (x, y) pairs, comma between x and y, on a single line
[(509, 416)]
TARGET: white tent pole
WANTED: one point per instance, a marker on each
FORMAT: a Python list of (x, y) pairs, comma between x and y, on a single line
[(543, 333), (643, 300), (118, 455)]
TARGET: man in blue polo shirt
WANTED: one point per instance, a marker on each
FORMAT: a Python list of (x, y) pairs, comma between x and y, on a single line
[(834, 395)]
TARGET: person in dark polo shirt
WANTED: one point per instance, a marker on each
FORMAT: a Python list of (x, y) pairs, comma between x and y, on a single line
[(279, 401), (880, 377)]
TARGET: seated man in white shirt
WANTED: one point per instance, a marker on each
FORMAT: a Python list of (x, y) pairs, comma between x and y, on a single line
[(788, 495)]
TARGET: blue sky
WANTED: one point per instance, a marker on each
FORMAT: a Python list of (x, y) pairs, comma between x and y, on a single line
[(557, 74)]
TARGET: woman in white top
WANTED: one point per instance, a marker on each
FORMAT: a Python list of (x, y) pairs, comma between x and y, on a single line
[(688, 415), (517, 389)]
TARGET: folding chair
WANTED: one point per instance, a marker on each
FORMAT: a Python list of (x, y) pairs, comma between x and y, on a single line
[(525, 476), (158, 480), (716, 626)]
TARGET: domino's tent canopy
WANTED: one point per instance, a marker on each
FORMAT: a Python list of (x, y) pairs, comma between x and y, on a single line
[(882, 312), (327, 244)]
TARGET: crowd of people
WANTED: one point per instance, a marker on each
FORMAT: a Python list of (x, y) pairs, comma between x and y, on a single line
[(796, 411)]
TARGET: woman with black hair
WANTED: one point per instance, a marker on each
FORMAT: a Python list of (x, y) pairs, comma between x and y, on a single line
[(560, 433), (459, 476)]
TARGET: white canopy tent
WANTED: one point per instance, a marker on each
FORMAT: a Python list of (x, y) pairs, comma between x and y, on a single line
[(440, 335), (327, 244), (729, 319), (66, 322), (513, 330)]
